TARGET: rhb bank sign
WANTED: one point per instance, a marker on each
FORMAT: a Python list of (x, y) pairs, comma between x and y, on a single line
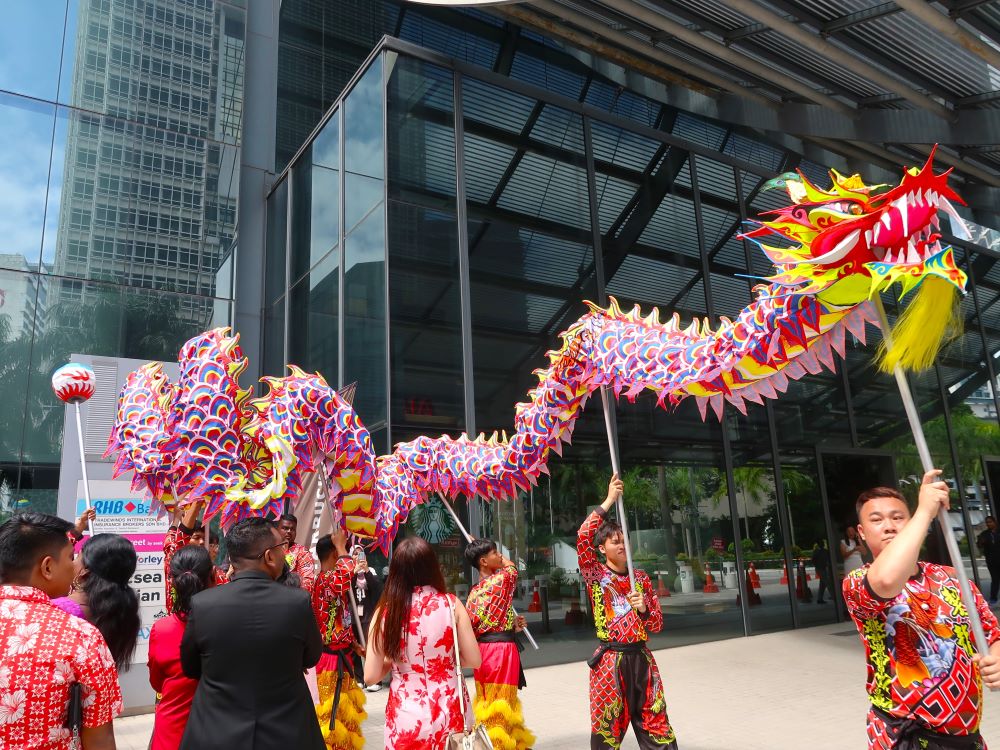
[(122, 511)]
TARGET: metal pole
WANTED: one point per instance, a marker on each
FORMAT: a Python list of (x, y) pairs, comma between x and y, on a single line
[(83, 463), (616, 468), (468, 538), (338, 522), (928, 463)]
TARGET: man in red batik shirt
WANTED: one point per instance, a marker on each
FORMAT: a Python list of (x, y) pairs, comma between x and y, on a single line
[(925, 679), (49, 655), (189, 531), (299, 559), (341, 706), (625, 685)]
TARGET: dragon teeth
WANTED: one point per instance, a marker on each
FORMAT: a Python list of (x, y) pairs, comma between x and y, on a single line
[(912, 255), (886, 220)]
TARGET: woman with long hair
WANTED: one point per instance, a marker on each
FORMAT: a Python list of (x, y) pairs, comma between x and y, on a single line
[(101, 593), (413, 635), (192, 571)]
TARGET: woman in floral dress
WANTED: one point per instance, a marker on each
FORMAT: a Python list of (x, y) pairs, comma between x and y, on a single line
[(413, 635)]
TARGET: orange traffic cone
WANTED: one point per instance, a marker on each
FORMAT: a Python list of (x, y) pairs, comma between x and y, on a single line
[(574, 615), (784, 573), (802, 592), (754, 577), (536, 602), (661, 589), (709, 587), (752, 596)]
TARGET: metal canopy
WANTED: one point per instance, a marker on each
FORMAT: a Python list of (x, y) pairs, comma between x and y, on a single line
[(864, 79)]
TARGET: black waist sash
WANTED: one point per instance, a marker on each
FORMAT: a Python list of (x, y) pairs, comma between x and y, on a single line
[(344, 664), (910, 734), (624, 648), (506, 636)]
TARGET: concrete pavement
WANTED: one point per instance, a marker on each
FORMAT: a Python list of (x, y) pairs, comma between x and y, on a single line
[(780, 691)]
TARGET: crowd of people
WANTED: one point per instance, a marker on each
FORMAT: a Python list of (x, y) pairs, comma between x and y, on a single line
[(268, 650)]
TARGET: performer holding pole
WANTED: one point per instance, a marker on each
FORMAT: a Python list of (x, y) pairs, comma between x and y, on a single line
[(500, 675), (523, 628), (341, 708), (625, 685), (73, 384), (616, 470)]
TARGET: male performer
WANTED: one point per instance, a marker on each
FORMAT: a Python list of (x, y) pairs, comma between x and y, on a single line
[(341, 706), (924, 677), (190, 530), (300, 560), (500, 675), (989, 544), (625, 684)]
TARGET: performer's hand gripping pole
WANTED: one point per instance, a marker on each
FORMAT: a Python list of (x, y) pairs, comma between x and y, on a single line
[(338, 523), (468, 538), (616, 468), (928, 463)]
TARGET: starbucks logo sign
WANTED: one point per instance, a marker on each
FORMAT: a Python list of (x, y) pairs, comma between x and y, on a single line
[(431, 521)]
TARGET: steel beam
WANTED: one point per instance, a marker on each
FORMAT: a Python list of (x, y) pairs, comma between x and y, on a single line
[(945, 26)]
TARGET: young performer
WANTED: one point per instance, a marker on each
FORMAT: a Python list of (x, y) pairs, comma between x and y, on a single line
[(341, 706), (300, 560), (190, 530), (625, 684), (925, 680), (500, 675)]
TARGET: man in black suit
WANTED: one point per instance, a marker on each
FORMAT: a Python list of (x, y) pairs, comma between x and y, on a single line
[(248, 643)]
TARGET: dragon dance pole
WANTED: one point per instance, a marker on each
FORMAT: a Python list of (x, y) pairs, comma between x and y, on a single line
[(616, 468), (468, 538), (928, 463), (338, 523)]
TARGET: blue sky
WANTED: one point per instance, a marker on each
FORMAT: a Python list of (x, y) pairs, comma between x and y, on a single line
[(31, 40)]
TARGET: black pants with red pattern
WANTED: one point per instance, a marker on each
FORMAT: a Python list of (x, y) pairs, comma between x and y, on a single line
[(625, 688)]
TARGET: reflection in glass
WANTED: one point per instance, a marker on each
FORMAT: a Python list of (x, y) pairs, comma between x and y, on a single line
[(364, 317), (313, 332), (363, 107), (30, 48), (275, 243)]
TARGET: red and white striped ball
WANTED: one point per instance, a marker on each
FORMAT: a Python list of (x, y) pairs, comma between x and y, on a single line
[(74, 383)]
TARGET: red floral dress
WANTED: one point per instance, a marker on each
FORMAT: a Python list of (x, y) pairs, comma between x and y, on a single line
[(423, 707)]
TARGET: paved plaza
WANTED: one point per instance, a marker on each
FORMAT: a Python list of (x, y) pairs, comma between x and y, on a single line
[(781, 691)]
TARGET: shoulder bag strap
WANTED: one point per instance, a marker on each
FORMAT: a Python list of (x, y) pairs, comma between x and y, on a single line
[(458, 664)]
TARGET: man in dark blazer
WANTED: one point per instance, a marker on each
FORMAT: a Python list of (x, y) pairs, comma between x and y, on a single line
[(248, 643)]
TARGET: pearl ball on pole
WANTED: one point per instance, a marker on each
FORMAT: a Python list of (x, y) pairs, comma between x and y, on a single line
[(73, 384)]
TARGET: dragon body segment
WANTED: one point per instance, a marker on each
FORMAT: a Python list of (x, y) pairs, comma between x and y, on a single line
[(833, 250)]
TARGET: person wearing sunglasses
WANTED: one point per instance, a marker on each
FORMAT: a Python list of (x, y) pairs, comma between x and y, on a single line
[(249, 643)]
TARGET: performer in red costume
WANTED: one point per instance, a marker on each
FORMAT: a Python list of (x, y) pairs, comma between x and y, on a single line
[(341, 706), (625, 684), (190, 530), (925, 681), (500, 676), (299, 559)]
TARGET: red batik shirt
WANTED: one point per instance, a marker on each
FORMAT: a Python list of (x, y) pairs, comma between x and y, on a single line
[(177, 537), (331, 606), (301, 562), (43, 651), (919, 646), (490, 602), (615, 618)]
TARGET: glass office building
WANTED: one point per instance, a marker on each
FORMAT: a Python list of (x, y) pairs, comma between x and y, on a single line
[(446, 190)]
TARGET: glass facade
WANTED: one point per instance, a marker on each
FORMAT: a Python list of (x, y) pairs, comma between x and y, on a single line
[(120, 153), (490, 207)]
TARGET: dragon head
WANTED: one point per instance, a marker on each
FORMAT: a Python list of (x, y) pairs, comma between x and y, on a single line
[(846, 244)]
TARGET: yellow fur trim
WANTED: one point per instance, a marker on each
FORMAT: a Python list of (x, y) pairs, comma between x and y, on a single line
[(930, 320), (346, 733), (498, 708)]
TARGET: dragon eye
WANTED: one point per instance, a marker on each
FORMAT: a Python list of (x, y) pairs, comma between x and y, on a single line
[(855, 209)]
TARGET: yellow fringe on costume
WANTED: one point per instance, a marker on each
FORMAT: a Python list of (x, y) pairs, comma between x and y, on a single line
[(346, 733), (498, 708), (931, 320)]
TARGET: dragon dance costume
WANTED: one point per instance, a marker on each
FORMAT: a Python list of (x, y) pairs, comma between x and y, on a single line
[(924, 688), (625, 685), (341, 706), (500, 675)]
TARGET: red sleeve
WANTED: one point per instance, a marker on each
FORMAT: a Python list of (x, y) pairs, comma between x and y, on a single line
[(654, 616), (335, 582), (102, 697), (590, 566), (986, 616), (862, 602), (305, 568), (156, 673)]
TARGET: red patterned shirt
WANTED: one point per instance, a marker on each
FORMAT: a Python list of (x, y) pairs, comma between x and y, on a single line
[(919, 647), (490, 602), (300, 560), (175, 538), (614, 616), (43, 651), (331, 606)]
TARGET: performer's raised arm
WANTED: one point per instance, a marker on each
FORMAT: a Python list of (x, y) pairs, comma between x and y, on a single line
[(586, 551)]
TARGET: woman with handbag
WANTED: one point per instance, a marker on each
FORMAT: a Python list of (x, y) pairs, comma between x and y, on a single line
[(413, 635)]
